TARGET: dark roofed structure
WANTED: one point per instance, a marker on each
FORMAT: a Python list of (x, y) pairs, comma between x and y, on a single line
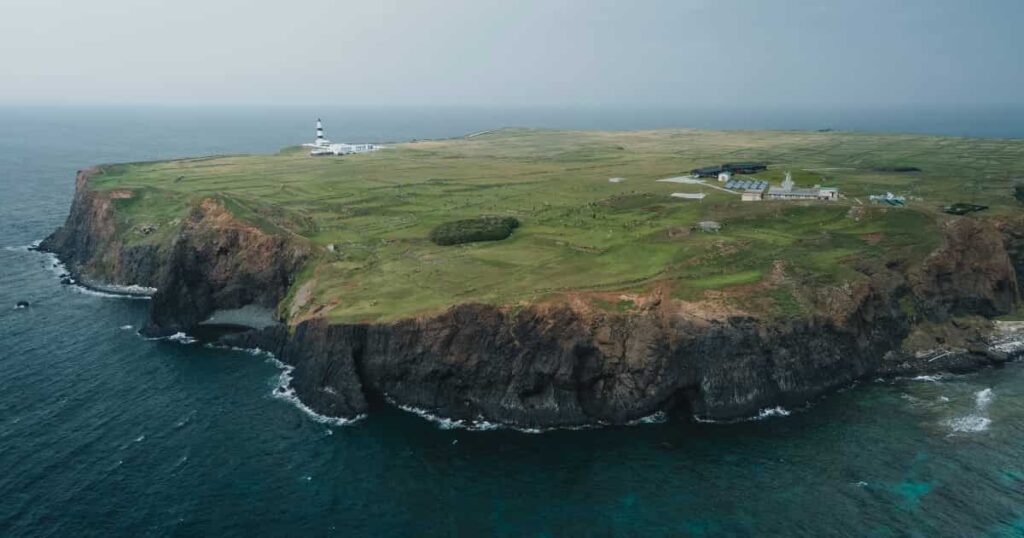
[(745, 168), (736, 168), (707, 171)]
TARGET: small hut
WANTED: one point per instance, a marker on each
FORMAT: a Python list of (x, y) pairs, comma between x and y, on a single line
[(709, 226)]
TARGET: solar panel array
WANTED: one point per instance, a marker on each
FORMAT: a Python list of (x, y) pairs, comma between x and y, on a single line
[(746, 184)]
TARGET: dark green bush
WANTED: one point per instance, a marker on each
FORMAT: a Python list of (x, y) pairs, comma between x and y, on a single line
[(473, 230)]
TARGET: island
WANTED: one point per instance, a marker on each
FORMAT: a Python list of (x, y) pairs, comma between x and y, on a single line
[(540, 278)]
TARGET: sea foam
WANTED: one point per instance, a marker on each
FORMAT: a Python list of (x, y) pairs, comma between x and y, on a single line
[(480, 424), (763, 414), (284, 391), (58, 269), (978, 421), (452, 424), (178, 337), (777, 411), (969, 424)]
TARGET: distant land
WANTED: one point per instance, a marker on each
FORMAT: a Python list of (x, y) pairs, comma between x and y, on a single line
[(597, 297)]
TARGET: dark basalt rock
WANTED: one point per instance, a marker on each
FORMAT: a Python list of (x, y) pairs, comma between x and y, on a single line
[(544, 366), (552, 366), (22, 304), (87, 245), (215, 266)]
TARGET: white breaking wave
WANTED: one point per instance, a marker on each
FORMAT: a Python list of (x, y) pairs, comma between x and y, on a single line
[(969, 424), (124, 290), (977, 421), (185, 420), (766, 413), (932, 378), (179, 337), (180, 463), (453, 424), (659, 417), (284, 391), (254, 351), (25, 248), (777, 411), (480, 424), (983, 398), (55, 266), (126, 327), (78, 288)]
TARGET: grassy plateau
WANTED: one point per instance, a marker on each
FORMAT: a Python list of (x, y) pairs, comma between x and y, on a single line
[(372, 214)]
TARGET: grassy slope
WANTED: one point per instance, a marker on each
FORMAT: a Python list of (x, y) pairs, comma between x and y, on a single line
[(579, 231)]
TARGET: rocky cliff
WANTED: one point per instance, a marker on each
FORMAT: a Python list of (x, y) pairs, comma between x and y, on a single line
[(217, 261), (213, 260), (89, 245), (556, 364), (552, 365)]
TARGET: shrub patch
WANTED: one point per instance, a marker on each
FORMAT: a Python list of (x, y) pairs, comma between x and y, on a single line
[(473, 230)]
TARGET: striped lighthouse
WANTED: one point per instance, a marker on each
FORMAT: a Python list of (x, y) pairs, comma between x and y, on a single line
[(320, 141)]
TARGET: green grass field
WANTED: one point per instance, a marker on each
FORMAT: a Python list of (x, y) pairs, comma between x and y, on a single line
[(580, 232)]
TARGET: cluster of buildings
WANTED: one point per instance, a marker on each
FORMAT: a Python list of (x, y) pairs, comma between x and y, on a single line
[(324, 147), (755, 190)]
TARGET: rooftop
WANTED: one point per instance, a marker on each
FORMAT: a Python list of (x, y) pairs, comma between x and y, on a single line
[(747, 184)]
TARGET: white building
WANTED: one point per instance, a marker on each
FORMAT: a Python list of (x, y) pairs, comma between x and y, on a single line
[(322, 146), (725, 177), (752, 195), (828, 193), (345, 149), (788, 191)]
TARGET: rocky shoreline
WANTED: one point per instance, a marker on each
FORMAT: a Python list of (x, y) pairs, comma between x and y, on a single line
[(557, 365)]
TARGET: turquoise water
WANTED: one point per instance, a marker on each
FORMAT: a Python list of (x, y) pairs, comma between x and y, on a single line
[(105, 433)]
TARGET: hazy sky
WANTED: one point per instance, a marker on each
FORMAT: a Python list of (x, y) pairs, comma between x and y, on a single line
[(513, 52)]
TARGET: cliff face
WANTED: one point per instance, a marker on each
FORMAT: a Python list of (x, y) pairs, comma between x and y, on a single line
[(971, 273), (220, 262), (213, 261), (555, 365), (87, 242)]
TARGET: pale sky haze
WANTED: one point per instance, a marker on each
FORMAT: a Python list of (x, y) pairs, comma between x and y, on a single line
[(513, 53)]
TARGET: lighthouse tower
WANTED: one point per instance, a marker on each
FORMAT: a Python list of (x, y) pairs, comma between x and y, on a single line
[(320, 142)]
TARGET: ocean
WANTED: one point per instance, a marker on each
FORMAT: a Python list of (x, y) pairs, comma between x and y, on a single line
[(105, 433)]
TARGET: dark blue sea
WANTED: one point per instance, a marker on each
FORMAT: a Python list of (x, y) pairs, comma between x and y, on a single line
[(104, 433)]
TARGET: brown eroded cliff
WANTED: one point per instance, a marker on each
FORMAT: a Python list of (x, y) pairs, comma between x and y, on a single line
[(558, 364)]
